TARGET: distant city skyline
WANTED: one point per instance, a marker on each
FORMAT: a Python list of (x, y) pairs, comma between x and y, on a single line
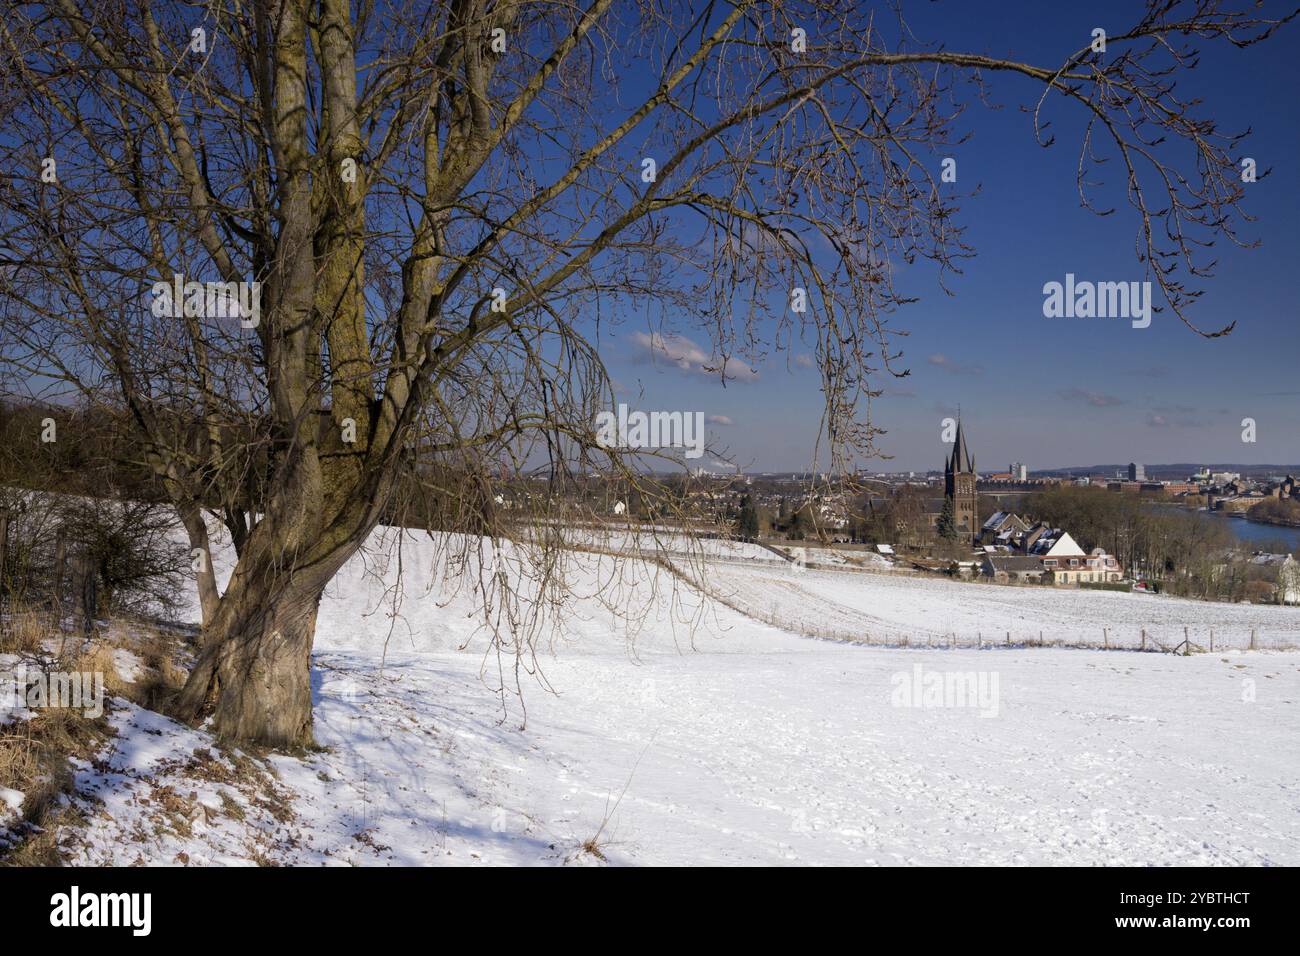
[(1112, 471)]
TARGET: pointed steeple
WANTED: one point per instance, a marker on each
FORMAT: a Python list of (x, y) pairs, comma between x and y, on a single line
[(961, 460)]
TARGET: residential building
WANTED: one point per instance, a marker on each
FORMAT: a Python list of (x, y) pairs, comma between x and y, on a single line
[(1057, 549), (1012, 568), (1288, 575), (1005, 529)]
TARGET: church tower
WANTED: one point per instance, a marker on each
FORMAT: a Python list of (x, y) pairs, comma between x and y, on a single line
[(959, 488)]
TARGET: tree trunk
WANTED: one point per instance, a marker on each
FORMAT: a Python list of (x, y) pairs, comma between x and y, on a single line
[(85, 592), (255, 677), (253, 673), (197, 531)]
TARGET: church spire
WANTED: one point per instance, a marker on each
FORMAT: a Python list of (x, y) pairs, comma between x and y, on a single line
[(961, 460)]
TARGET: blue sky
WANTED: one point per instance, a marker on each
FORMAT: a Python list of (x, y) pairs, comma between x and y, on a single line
[(1055, 392)]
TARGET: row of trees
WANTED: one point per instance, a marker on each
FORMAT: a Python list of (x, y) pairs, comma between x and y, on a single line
[(1187, 552), (1284, 511)]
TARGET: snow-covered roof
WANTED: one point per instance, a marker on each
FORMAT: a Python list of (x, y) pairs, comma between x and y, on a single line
[(996, 520), (1057, 543)]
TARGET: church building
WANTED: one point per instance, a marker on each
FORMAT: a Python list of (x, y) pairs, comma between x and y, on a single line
[(959, 489)]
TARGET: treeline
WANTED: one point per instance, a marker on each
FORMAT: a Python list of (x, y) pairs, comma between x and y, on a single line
[(76, 501), (1186, 552), (75, 480), (79, 499), (78, 451), (96, 453), (1276, 511), (900, 519)]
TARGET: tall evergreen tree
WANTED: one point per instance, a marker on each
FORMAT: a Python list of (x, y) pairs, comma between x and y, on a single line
[(747, 523), (947, 527)]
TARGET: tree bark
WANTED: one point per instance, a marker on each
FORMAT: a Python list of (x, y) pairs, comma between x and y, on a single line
[(256, 679), (205, 577), (253, 674)]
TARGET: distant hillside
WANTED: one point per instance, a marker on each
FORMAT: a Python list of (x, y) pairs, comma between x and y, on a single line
[(1175, 470)]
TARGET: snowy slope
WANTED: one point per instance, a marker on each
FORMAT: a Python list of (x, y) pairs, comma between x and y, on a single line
[(734, 743), (895, 607)]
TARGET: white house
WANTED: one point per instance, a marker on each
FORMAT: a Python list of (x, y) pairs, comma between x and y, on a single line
[(1100, 566), (1057, 546), (1064, 562), (1288, 575), (1288, 580)]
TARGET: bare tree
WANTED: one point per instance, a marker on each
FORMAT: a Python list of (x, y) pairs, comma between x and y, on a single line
[(444, 203)]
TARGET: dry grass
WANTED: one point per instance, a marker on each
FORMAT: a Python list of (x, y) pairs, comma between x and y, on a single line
[(165, 678), (159, 650), (35, 753), (34, 759), (18, 758), (22, 631)]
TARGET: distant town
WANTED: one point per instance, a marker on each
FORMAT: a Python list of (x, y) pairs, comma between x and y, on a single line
[(1116, 527)]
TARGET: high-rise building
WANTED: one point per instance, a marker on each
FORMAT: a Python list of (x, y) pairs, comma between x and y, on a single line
[(1019, 472), (1137, 472)]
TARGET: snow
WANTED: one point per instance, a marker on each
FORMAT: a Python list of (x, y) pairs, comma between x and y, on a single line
[(648, 539), (129, 667), (895, 608), (162, 793), (10, 802), (732, 741)]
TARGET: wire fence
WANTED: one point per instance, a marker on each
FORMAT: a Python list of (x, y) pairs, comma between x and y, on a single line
[(1120, 636), (1126, 636), (1168, 640)]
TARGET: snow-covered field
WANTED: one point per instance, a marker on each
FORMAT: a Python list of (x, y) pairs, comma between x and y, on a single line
[(733, 741), (932, 610)]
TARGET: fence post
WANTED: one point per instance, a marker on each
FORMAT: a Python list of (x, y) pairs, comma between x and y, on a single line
[(1008, 638), (1105, 639), (1211, 640), (1252, 638), (1144, 638), (1187, 643)]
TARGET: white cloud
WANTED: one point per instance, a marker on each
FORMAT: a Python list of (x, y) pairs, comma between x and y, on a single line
[(1095, 399), (719, 420), (689, 357), (956, 368)]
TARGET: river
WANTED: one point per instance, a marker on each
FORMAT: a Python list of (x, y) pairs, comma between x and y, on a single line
[(1256, 535)]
